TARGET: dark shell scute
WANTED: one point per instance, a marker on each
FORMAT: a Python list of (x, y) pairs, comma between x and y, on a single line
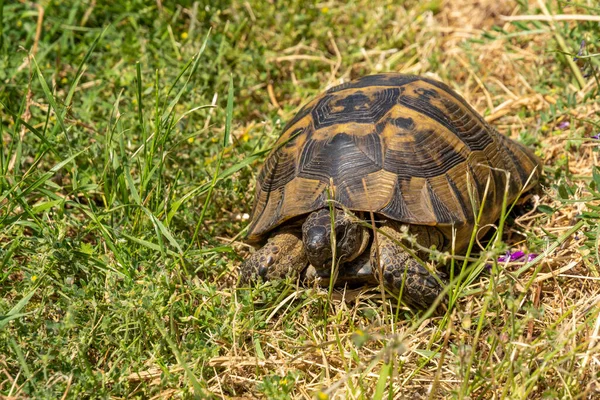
[(402, 123), (426, 157), (467, 129), (357, 107), (441, 211), (395, 80), (340, 157)]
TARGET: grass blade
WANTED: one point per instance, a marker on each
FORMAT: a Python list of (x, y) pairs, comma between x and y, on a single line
[(14, 312), (228, 119), (50, 97)]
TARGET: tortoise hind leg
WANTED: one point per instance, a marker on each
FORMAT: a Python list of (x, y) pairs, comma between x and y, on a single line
[(283, 255), (401, 272)]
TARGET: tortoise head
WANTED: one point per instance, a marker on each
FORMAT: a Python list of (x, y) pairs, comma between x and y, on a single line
[(351, 238)]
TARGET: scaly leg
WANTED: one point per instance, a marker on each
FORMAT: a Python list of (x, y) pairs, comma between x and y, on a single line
[(401, 272), (282, 256)]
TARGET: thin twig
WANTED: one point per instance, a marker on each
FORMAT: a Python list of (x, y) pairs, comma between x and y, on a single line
[(559, 17)]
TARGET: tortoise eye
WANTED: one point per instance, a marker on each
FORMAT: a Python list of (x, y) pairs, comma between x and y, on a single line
[(316, 238)]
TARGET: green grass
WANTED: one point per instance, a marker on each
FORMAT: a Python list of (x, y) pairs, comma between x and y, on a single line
[(131, 135)]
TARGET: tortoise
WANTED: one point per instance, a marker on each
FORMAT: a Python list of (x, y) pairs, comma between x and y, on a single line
[(405, 151)]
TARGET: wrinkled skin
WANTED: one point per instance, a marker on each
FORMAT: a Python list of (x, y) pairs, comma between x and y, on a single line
[(289, 253), (351, 238)]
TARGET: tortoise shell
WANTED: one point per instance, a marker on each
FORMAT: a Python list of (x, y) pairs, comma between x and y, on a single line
[(405, 147)]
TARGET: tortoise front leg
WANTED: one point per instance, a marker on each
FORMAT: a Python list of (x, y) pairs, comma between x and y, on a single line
[(401, 272), (282, 256)]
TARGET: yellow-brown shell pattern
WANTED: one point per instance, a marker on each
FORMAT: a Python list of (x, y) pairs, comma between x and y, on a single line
[(405, 147)]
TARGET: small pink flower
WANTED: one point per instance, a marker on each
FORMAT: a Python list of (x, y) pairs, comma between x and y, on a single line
[(531, 257), (516, 256)]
